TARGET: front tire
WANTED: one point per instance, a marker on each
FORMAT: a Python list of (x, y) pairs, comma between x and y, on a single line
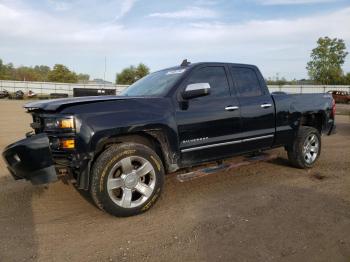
[(306, 148), (127, 179)]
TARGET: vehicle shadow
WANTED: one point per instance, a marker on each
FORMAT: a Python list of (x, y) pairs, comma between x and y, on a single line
[(280, 161), (85, 194), (276, 224), (18, 238), (233, 216)]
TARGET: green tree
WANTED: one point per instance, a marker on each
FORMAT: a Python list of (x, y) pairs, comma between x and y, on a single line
[(326, 61), (7, 71), (83, 77), (346, 79), (127, 76), (61, 73), (2, 70), (277, 81), (141, 71), (24, 73), (42, 71), (131, 74)]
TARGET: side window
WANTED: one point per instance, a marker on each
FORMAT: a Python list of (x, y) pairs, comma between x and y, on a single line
[(246, 81), (215, 76)]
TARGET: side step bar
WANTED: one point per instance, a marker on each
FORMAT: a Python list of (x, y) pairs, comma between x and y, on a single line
[(225, 166)]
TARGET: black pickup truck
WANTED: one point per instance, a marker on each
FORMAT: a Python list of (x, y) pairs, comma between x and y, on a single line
[(118, 148)]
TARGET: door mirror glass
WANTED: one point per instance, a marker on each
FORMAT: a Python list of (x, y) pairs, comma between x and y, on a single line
[(196, 90)]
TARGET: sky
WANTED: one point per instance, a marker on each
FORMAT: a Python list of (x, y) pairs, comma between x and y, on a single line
[(276, 35)]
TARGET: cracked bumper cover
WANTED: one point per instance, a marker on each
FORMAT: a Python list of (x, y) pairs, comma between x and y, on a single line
[(31, 159)]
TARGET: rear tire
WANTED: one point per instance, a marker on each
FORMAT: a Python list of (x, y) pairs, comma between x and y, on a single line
[(127, 179), (306, 148)]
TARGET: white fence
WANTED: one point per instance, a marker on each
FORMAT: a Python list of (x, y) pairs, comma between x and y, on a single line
[(50, 87), (301, 89)]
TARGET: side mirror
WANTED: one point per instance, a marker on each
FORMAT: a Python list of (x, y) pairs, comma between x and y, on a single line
[(196, 90)]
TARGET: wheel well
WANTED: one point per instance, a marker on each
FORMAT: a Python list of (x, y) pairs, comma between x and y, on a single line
[(140, 138), (313, 120)]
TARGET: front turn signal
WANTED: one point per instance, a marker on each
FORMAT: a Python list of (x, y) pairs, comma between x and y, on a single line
[(67, 144)]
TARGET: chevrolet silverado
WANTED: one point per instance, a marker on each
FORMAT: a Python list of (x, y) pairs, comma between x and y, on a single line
[(118, 148)]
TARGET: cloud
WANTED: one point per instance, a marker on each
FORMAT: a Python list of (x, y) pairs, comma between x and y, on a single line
[(125, 7), (8, 13), (276, 45), (59, 5), (205, 2), (293, 2), (194, 12)]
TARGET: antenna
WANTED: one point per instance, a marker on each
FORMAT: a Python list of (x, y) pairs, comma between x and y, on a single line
[(185, 63)]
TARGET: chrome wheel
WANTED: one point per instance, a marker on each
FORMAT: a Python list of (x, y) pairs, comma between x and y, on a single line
[(131, 181), (311, 148)]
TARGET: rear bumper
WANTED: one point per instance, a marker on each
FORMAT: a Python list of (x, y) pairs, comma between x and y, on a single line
[(31, 159)]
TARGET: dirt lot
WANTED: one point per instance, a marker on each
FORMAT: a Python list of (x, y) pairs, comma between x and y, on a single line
[(264, 212)]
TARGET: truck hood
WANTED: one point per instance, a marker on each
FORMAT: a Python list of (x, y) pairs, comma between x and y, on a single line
[(56, 104)]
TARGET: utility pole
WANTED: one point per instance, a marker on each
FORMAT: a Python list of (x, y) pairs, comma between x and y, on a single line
[(104, 75)]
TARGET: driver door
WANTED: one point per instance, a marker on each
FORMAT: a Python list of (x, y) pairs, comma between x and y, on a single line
[(209, 125)]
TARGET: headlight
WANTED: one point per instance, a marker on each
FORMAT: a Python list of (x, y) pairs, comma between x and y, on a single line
[(65, 123)]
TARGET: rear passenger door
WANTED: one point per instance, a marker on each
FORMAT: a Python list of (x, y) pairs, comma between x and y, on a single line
[(256, 108)]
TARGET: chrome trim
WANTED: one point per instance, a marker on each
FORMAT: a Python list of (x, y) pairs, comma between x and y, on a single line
[(225, 143), (256, 138), (197, 86), (231, 108), (266, 105), (209, 146)]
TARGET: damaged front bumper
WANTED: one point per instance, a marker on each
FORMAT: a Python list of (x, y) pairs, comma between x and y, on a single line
[(31, 159)]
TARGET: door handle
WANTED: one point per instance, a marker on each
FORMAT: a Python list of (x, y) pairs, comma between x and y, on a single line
[(266, 105), (231, 108)]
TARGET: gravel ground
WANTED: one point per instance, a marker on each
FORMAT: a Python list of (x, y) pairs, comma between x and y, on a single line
[(268, 211), (343, 109)]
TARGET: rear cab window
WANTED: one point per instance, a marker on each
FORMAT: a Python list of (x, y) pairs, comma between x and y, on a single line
[(246, 82)]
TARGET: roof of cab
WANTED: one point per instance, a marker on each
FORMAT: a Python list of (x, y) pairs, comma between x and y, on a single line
[(190, 65)]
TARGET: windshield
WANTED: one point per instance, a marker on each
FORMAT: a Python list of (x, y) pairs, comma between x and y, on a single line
[(155, 84)]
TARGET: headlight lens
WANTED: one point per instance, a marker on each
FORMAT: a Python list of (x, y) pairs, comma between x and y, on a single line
[(59, 123), (66, 123)]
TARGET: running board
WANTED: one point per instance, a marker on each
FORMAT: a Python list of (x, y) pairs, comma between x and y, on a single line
[(225, 167)]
